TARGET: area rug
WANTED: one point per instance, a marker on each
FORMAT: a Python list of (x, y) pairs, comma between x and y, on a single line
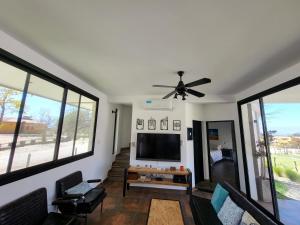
[(165, 212)]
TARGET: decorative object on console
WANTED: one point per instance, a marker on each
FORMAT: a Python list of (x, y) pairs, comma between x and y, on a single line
[(164, 124), (139, 124), (181, 168), (172, 168), (177, 125), (189, 133), (152, 124), (213, 134)]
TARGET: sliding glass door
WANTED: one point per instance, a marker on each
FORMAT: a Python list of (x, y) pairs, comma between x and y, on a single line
[(260, 186), (270, 128), (282, 111)]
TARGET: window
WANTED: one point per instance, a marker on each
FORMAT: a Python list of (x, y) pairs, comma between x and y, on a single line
[(69, 125), (11, 90), (83, 140), (271, 147), (44, 121), (37, 135)]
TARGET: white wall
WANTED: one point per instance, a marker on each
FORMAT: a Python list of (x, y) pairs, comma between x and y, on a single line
[(95, 166), (125, 126), (138, 112), (178, 113), (186, 112)]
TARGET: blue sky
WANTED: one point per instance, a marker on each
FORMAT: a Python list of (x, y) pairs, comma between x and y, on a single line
[(283, 117), (37, 104)]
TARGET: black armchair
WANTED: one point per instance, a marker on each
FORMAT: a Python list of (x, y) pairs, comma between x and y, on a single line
[(31, 209), (78, 204)]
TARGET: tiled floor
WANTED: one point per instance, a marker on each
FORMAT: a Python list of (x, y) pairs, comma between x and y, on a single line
[(133, 209)]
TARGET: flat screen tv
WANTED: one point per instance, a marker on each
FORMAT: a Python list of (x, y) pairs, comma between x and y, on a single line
[(158, 147)]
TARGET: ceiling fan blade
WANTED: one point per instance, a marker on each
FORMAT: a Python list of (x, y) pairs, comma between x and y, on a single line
[(168, 95), (163, 86), (196, 93), (198, 82)]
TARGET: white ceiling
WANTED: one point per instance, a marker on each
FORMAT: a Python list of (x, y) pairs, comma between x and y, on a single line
[(123, 47)]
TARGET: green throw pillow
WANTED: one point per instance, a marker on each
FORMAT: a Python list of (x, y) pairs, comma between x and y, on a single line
[(219, 197)]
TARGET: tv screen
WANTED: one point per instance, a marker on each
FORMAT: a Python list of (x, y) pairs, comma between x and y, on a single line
[(158, 147)]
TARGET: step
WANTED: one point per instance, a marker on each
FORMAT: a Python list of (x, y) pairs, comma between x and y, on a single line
[(123, 157), (123, 166), (120, 179), (110, 174), (117, 169), (121, 162)]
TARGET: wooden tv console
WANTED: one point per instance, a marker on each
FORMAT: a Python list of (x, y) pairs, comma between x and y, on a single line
[(132, 176)]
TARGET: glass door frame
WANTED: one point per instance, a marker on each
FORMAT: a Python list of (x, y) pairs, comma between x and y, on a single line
[(259, 96)]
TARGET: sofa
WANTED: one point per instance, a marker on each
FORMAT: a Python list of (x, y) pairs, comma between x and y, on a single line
[(31, 209), (204, 213)]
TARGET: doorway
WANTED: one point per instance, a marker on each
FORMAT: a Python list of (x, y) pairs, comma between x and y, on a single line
[(221, 153), (198, 152)]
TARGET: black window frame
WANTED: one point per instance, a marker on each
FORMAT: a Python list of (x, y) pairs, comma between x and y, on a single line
[(259, 96), (33, 70)]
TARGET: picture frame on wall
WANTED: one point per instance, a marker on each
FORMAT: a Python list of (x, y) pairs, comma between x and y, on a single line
[(164, 124), (177, 125), (139, 124), (213, 134), (151, 124)]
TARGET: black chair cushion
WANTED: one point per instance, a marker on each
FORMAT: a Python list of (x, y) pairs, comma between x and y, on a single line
[(67, 182), (30, 209), (204, 212), (58, 219), (91, 200)]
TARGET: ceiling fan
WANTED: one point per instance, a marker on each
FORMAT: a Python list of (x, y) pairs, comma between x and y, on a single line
[(181, 88)]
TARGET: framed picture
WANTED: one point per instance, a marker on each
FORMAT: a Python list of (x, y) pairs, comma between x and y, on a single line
[(140, 124), (164, 124), (213, 134), (177, 125), (151, 124)]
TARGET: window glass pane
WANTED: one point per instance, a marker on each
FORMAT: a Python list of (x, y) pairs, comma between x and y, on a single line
[(37, 136), (69, 125), (11, 89), (257, 163), (282, 111), (85, 129)]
